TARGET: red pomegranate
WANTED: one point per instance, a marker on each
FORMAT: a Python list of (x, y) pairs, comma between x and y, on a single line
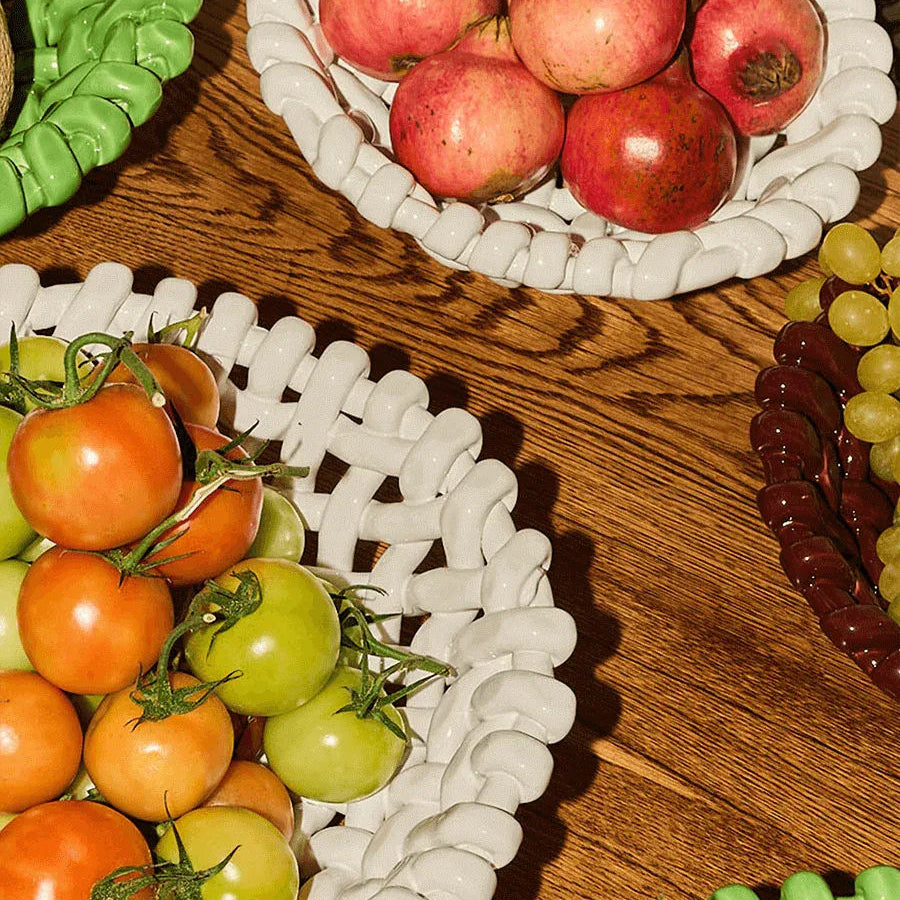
[(591, 46), (659, 156), (386, 38), (472, 123), (762, 61)]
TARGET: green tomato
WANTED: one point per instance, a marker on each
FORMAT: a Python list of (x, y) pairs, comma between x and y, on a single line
[(12, 654), (333, 757), (263, 868), (40, 359), (281, 533), (15, 533), (285, 650)]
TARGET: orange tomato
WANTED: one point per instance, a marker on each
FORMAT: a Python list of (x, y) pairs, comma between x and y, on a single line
[(40, 741), (220, 531), (61, 850), (185, 379), (99, 474), (255, 787), (87, 629), (177, 762)]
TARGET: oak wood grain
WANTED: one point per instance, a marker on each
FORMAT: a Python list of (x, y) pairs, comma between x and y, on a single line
[(720, 737)]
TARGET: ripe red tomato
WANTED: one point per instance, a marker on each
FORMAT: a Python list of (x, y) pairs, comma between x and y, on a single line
[(60, 850), (99, 474), (185, 379), (40, 741), (177, 761), (255, 787), (85, 627), (219, 533)]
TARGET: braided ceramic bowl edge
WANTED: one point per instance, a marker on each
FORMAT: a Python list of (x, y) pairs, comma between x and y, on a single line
[(447, 821), (339, 119)]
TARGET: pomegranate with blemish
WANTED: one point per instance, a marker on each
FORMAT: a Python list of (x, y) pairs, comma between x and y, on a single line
[(386, 38), (660, 156), (472, 123), (762, 61), (593, 46)]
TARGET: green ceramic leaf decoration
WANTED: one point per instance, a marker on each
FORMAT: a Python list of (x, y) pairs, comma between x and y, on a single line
[(87, 73), (877, 883)]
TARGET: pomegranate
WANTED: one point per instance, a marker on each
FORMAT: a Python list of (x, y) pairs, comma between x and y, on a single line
[(762, 61), (386, 38), (659, 156), (472, 123), (591, 46)]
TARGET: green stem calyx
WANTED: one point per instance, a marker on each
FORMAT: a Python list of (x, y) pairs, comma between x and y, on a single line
[(227, 607), (186, 333), (154, 692), (172, 880), (372, 699)]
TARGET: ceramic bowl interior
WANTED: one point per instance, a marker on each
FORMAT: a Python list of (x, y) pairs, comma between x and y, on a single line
[(398, 499)]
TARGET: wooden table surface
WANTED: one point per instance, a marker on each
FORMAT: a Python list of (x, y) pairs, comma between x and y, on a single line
[(720, 737)]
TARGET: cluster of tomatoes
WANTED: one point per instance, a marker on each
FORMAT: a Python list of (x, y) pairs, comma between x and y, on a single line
[(158, 636)]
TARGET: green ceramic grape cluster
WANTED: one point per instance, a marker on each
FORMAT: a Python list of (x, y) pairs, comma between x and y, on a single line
[(87, 73), (877, 883)]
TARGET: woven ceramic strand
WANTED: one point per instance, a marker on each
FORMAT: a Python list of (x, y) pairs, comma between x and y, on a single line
[(339, 120), (447, 821)]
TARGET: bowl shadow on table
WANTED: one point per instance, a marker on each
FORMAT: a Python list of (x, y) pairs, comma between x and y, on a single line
[(212, 50), (599, 704), (573, 552)]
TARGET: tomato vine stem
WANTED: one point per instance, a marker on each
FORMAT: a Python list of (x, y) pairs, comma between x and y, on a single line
[(154, 693), (372, 699), (213, 470), (76, 389)]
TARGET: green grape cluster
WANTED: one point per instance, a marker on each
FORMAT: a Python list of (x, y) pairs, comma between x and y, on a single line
[(860, 293), (888, 550), (858, 286)]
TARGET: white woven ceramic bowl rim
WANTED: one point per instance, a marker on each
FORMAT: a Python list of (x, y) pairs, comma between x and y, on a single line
[(339, 119), (447, 821)]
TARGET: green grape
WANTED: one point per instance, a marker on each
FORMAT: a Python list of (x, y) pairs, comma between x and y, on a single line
[(852, 253), (894, 612), (889, 583), (823, 263), (802, 300), (883, 456), (873, 416), (879, 369), (858, 318), (890, 257), (894, 312), (888, 544)]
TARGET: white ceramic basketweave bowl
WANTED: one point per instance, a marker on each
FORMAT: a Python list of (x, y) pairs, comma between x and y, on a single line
[(547, 240), (446, 822)]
